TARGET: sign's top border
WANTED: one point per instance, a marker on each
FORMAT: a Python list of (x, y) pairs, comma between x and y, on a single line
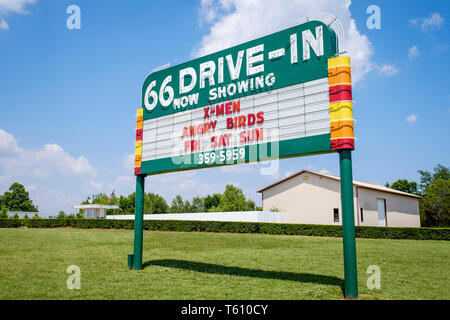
[(166, 67)]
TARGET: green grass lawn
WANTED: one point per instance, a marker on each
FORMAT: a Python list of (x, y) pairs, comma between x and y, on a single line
[(179, 265)]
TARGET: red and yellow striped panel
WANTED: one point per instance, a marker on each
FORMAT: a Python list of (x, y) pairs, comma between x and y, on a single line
[(138, 146), (341, 103)]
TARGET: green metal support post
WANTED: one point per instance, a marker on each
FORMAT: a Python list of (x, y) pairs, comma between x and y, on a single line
[(138, 222), (348, 225)]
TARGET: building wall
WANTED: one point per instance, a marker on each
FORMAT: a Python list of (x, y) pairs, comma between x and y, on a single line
[(312, 200), (306, 198), (400, 211)]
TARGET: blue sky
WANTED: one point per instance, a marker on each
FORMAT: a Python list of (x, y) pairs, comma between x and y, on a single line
[(68, 97)]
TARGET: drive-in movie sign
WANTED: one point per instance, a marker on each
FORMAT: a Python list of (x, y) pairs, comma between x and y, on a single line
[(221, 152), (282, 95)]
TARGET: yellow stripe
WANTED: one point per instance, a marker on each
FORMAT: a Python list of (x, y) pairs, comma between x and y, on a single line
[(338, 61), (138, 147), (341, 110), (140, 112)]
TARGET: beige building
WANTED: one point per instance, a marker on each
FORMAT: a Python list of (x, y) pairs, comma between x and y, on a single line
[(95, 211), (314, 198)]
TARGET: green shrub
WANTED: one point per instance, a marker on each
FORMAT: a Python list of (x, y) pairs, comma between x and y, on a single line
[(10, 223), (235, 227)]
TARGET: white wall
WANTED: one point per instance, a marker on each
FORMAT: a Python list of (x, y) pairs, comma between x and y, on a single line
[(312, 200), (401, 211), (246, 216), (306, 198)]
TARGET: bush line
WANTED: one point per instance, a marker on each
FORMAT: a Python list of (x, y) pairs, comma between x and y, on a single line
[(235, 227)]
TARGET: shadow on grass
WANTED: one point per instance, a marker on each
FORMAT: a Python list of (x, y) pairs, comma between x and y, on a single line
[(245, 272)]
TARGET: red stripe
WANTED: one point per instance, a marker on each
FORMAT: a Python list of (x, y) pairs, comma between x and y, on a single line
[(339, 144), (139, 133), (137, 170), (340, 93)]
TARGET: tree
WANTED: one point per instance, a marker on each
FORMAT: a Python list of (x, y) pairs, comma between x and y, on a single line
[(154, 203), (436, 203), (233, 199), (17, 199), (61, 215), (211, 201), (251, 206), (404, 185), (440, 172), (198, 204), (102, 198), (35, 217), (178, 206), (126, 204), (4, 213), (435, 189)]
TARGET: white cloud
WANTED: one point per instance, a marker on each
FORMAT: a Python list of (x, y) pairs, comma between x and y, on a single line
[(433, 22), (94, 185), (12, 6), (48, 161), (8, 144), (17, 6), (30, 187), (208, 11), (4, 25), (388, 70), (413, 52), (128, 163), (53, 177), (51, 200), (325, 171), (238, 21), (186, 183), (57, 160), (412, 118), (123, 180), (124, 185)]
